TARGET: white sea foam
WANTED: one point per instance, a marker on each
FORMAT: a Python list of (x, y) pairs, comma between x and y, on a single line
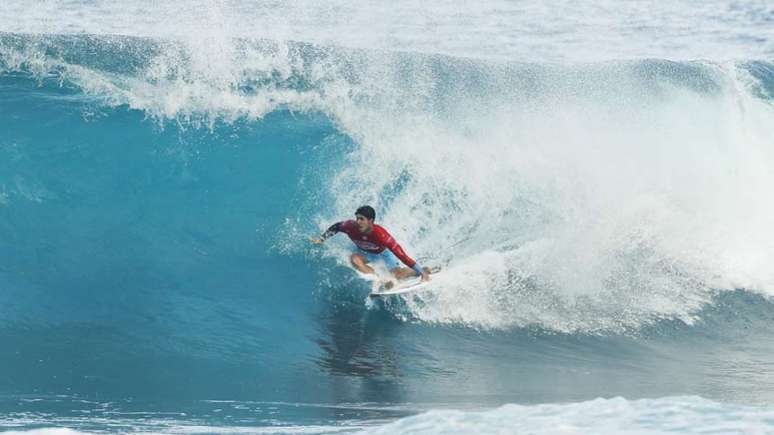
[(604, 203), (683, 414), (601, 416), (526, 31)]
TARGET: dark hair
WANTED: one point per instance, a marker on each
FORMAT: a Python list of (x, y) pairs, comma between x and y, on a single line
[(366, 211)]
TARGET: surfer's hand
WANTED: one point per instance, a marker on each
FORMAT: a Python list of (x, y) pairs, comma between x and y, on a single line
[(316, 241)]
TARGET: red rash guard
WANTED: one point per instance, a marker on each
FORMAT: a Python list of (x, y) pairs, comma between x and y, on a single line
[(375, 242)]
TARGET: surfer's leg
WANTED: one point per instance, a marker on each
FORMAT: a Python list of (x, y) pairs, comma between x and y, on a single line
[(402, 272), (359, 262), (395, 266), (405, 272), (392, 264)]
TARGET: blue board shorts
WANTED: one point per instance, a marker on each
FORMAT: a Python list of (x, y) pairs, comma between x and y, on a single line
[(387, 257)]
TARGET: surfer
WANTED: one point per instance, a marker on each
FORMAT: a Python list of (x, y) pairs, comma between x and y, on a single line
[(374, 243)]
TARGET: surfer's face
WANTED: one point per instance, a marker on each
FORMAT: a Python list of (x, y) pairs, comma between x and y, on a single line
[(363, 223)]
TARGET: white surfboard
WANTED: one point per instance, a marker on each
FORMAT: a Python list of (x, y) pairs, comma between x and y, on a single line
[(402, 286)]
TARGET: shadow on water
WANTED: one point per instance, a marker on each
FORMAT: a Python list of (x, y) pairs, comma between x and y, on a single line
[(360, 348)]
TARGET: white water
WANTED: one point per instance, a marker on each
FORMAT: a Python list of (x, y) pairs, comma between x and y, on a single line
[(686, 415), (601, 416), (594, 200), (513, 30)]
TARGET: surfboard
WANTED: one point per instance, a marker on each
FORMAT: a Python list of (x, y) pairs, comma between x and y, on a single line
[(401, 287)]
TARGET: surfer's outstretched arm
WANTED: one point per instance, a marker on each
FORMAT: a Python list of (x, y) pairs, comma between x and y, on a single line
[(330, 232)]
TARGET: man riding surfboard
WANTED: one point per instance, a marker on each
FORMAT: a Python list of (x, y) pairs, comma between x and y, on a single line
[(374, 243)]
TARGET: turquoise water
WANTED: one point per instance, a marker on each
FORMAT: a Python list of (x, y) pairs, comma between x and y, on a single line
[(604, 226)]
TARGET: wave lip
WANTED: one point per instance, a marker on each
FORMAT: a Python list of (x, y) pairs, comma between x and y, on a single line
[(684, 414)]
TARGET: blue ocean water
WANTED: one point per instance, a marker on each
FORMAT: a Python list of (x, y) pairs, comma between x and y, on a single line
[(599, 201)]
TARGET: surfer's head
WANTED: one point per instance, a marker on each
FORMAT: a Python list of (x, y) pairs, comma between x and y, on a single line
[(364, 216)]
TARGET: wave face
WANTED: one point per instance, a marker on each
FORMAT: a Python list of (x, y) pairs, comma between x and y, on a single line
[(595, 216)]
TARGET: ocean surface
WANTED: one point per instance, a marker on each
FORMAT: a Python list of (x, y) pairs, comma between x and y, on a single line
[(595, 179)]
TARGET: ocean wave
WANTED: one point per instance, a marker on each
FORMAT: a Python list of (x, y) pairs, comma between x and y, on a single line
[(578, 198)]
